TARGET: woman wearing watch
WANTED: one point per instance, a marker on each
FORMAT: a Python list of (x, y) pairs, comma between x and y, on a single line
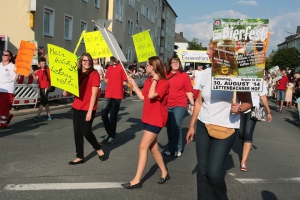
[(247, 125), (181, 91)]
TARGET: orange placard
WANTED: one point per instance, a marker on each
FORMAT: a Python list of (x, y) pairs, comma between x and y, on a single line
[(24, 58)]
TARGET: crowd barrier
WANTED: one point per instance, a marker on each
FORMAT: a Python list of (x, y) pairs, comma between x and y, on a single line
[(27, 90)]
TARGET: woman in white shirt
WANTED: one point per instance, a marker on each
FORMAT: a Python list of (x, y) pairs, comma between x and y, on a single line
[(8, 77), (214, 108), (247, 125), (100, 70)]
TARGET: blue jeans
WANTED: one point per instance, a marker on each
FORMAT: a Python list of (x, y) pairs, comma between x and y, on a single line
[(112, 107), (280, 95), (174, 130), (247, 126), (211, 156)]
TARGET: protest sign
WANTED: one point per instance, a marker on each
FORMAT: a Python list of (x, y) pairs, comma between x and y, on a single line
[(63, 69), (275, 73), (143, 45), (24, 58), (193, 56), (96, 45), (239, 54)]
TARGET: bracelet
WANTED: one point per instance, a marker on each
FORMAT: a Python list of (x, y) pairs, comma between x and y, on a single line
[(192, 104), (154, 80)]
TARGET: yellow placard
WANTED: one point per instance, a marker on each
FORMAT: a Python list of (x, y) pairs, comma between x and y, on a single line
[(143, 46), (96, 45), (24, 58), (63, 69)]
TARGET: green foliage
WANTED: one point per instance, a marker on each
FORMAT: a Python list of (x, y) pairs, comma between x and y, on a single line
[(195, 45), (269, 60), (287, 57)]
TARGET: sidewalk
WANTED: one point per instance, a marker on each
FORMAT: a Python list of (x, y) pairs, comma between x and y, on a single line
[(54, 105)]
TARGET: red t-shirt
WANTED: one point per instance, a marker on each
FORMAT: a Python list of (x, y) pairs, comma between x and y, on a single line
[(114, 86), (180, 84), (85, 91), (282, 83), (43, 80), (155, 111)]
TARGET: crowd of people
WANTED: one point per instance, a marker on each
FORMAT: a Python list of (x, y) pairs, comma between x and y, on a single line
[(166, 93)]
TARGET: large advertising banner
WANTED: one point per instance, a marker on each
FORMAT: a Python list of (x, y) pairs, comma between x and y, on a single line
[(143, 45), (193, 56), (239, 54), (63, 69), (24, 57)]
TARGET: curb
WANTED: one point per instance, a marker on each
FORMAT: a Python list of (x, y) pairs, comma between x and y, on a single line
[(34, 110)]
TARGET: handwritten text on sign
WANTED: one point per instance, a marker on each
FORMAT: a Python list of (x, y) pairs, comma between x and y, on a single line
[(237, 84), (96, 45), (24, 57), (63, 69), (143, 46)]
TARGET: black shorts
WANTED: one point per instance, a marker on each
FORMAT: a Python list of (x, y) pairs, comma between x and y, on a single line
[(43, 97), (151, 128)]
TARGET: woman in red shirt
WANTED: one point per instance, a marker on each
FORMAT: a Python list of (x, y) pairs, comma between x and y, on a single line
[(181, 91), (84, 108), (154, 96)]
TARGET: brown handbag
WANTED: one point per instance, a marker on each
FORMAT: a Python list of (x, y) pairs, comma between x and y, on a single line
[(219, 132)]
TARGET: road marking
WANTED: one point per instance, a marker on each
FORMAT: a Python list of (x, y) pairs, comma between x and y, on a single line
[(251, 180), (295, 179), (232, 174), (136, 100), (62, 186)]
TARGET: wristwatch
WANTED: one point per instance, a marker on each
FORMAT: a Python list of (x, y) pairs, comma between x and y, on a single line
[(239, 110)]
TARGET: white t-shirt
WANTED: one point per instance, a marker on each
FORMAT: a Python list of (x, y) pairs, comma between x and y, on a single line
[(7, 76), (197, 80), (216, 107), (98, 68), (255, 96)]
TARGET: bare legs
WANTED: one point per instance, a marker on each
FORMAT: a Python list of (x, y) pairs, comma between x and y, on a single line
[(246, 151), (41, 109), (149, 141)]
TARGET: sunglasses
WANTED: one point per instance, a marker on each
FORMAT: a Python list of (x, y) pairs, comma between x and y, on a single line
[(5, 54)]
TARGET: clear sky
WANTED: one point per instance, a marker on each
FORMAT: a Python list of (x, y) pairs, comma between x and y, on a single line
[(195, 16)]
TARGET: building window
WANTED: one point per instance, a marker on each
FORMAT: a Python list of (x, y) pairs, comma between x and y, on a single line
[(143, 9), (97, 3), (119, 10), (68, 27), (83, 26), (48, 21), (85, 1), (132, 3), (137, 17), (130, 26), (128, 53)]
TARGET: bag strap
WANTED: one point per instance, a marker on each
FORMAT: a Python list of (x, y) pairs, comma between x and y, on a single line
[(46, 73), (84, 76), (172, 76)]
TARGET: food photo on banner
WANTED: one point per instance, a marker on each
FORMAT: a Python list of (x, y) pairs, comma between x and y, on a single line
[(239, 54)]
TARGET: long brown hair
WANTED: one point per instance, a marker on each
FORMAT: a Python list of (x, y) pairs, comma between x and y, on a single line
[(169, 67), (91, 63), (158, 66)]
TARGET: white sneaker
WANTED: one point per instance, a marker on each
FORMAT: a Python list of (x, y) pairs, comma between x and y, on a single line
[(177, 154)]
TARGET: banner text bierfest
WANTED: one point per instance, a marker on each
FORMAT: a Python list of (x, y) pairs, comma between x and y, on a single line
[(239, 54)]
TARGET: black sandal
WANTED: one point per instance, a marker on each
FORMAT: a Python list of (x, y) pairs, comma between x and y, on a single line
[(163, 180), (129, 186)]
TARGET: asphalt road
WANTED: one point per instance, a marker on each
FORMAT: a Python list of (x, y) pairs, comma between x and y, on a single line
[(34, 161)]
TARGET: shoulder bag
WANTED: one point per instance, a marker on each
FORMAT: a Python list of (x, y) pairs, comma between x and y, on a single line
[(258, 113)]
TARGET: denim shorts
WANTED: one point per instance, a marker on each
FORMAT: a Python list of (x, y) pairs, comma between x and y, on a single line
[(280, 95), (151, 128)]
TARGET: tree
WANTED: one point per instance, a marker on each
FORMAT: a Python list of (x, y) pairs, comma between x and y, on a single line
[(287, 57), (195, 45), (269, 60)]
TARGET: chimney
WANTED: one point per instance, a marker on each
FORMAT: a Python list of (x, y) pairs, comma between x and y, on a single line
[(181, 34)]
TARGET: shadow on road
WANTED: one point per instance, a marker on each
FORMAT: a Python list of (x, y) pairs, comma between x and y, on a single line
[(294, 115), (267, 195), (28, 124), (122, 138)]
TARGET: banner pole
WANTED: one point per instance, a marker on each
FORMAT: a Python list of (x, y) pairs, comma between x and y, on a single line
[(111, 45), (79, 41)]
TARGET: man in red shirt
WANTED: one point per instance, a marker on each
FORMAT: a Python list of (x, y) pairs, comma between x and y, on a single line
[(42, 75), (281, 88), (115, 79)]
